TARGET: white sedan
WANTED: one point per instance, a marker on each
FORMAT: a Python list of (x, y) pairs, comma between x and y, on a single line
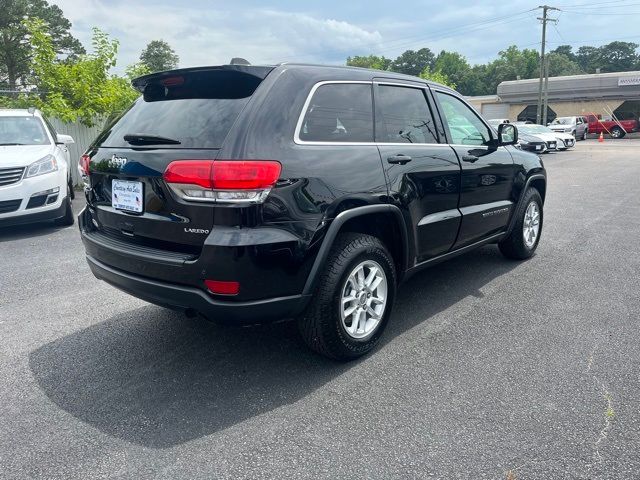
[(35, 178), (554, 140)]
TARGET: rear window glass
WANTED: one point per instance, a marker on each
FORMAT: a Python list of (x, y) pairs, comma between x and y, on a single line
[(339, 112), (406, 117), (195, 109)]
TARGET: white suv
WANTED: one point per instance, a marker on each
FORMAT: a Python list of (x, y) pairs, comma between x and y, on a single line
[(35, 178)]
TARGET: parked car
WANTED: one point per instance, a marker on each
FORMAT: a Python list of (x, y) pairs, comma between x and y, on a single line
[(543, 133), (615, 128), (254, 193), (494, 122), (576, 126), (563, 140), (35, 178), (531, 143)]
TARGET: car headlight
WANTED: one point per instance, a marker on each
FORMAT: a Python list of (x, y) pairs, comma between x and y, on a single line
[(567, 130), (523, 142), (47, 164)]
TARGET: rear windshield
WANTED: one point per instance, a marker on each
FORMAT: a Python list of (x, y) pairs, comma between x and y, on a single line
[(195, 109)]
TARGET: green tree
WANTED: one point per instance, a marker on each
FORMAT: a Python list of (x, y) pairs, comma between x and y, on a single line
[(370, 61), (618, 57), (455, 68), (566, 50), (511, 64), (15, 51), (413, 62), (588, 58), (159, 56), (437, 76), (561, 65), (80, 89)]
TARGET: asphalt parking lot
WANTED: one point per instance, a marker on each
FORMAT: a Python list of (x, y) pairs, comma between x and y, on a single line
[(489, 369)]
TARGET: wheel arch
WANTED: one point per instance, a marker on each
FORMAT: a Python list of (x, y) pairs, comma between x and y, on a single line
[(539, 182), (371, 220)]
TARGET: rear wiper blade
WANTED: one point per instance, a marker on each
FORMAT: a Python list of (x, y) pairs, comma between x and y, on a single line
[(148, 139)]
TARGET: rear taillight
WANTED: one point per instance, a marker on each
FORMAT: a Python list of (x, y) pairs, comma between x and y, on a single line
[(83, 170), (83, 165), (224, 181)]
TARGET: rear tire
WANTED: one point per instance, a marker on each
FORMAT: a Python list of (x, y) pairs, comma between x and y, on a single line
[(68, 219), (327, 326), (523, 239), (617, 132)]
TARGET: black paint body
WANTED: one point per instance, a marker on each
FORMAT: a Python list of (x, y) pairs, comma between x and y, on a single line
[(434, 205)]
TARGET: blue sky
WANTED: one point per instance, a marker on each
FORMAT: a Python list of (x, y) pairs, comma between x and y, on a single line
[(212, 32)]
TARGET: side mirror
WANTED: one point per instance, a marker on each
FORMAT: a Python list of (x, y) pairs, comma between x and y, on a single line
[(64, 139), (507, 134)]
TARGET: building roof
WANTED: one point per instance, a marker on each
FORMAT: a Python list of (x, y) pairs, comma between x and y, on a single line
[(574, 87)]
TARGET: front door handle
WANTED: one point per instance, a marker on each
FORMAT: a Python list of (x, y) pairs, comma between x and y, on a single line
[(399, 159), (469, 158)]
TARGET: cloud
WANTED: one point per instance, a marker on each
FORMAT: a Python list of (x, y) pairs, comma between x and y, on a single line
[(209, 36)]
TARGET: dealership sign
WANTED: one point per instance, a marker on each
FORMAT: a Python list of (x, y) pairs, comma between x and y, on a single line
[(624, 81)]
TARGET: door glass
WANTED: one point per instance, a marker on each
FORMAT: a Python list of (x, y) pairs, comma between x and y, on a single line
[(465, 127), (406, 117), (339, 112)]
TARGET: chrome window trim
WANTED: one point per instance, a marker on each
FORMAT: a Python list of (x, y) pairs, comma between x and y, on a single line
[(298, 141)]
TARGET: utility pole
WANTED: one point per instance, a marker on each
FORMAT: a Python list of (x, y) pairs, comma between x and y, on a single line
[(545, 103), (544, 20)]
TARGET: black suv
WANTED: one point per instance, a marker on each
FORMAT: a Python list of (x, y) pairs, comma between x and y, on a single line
[(254, 193)]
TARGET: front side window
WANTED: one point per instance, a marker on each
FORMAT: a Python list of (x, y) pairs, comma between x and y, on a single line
[(339, 112), (22, 131), (405, 116), (464, 126)]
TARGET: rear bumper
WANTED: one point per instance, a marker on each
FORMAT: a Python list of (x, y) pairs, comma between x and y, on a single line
[(175, 280), (183, 298)]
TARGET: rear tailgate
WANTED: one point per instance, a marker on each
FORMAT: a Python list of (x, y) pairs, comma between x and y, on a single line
[(182, 115)]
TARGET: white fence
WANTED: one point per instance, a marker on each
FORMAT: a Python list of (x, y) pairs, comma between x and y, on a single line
[(82, 135)]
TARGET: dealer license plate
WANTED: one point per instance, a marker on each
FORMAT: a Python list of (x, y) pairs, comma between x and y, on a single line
[(126, 195)]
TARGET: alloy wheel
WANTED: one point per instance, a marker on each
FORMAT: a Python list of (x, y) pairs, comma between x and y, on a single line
[(531, 224), (364, 299)]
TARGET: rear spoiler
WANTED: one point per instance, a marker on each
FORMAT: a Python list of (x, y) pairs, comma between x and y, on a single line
[(257, 71)]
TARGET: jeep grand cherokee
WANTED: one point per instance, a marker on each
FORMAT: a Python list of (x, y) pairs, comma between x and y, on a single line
[(253, 193)]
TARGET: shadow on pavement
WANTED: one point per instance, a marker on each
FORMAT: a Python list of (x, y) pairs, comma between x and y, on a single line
[(158, 379), (31, 230), (19, 232)]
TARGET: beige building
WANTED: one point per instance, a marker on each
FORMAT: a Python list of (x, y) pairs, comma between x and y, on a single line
[(600, 93)]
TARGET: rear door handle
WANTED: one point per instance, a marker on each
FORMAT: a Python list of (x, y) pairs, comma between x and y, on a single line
[(469, 158), (399, 159)]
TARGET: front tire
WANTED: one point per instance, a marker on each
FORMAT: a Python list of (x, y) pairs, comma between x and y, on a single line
[(68, 219), (352, 303), (523, 239), (584, 135)]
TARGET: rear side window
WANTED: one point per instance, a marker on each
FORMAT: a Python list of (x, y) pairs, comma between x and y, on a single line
[(339, 112), (196, 109), (405, 116)]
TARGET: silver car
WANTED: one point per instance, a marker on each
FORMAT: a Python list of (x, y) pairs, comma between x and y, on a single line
[(576, 126)]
